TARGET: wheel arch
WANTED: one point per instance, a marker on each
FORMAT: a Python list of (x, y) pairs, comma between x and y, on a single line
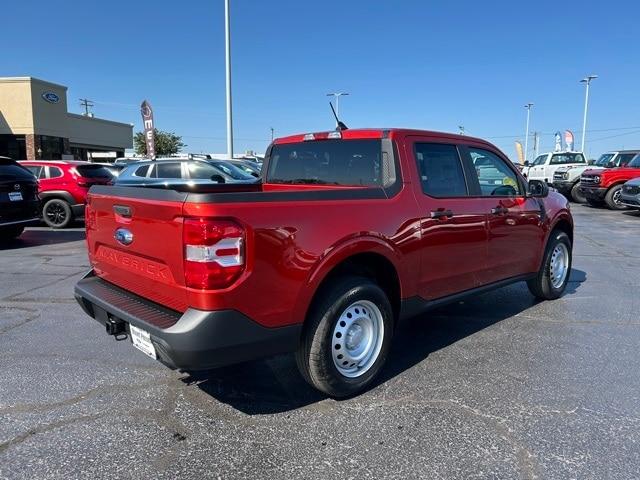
[(56, 194)]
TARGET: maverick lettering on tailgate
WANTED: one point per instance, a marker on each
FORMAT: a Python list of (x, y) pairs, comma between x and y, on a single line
[(145, 267)]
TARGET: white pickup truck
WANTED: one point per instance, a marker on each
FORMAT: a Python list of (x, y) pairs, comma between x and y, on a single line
[(545, 165)]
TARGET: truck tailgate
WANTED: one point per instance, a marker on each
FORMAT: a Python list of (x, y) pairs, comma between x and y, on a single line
[(134, 237)]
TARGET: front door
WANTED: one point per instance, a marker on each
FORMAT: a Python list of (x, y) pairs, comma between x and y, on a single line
[(516, 236), (453, 225)]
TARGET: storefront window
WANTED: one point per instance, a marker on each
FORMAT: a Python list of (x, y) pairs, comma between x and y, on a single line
[(13, 146), (52, 147)]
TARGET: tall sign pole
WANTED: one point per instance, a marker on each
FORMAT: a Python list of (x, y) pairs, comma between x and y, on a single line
[(587, 82), (227, 32), (147, 122), (526, 133)]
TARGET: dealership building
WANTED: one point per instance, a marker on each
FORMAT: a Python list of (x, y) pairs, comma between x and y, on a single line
[(35, 124)]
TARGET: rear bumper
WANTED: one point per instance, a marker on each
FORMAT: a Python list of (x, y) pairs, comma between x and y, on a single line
[(593, 193), (194, 340)]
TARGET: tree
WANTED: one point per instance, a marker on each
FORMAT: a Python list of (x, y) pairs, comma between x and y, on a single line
[(167, 143)]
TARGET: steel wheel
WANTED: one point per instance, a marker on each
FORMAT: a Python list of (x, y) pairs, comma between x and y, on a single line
[(559, 265), (357, 338)]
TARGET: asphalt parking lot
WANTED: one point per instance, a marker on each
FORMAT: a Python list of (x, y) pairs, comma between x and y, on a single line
[(498, 386)]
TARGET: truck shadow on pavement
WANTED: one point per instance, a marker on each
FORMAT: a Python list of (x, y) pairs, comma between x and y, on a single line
[(43, 236), (275, 386)]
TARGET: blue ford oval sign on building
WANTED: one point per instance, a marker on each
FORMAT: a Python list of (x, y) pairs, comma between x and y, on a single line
[(51, 97)]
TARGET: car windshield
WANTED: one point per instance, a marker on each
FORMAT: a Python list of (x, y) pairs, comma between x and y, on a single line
[(604, 159), (540, 160), (635, 163), (231, 170), (327, 162)]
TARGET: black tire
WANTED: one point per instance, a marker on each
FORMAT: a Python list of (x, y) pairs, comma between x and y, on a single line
[(576, 195), (314, 356), (10, 233), (595, 203), (612, 198), (541, 286), (57, 213)]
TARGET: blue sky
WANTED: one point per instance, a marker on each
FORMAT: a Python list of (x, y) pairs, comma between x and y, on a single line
[(423, 64)]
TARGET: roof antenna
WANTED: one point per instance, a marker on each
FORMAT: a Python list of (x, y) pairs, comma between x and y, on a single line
[(339, 125)]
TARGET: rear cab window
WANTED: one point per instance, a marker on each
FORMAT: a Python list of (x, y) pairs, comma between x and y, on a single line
[(345, 162), (167, 170), (565, 158), (441, 171)]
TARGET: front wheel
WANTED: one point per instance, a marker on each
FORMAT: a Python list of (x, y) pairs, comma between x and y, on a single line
[(346, 337), (552, 279), (612, 198), (576, 195)]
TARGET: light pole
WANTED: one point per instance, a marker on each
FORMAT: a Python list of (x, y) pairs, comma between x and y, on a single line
[(227, 33), (336, 96), (526, 133), (587, 81)]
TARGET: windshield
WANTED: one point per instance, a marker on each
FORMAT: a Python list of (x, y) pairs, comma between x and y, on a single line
[(327, 162), (540, 160), (635, 163), (231, 170), (604, 159), (94, 171)]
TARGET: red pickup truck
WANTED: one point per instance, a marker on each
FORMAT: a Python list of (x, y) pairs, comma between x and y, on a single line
[(347, 233), (604, 185)]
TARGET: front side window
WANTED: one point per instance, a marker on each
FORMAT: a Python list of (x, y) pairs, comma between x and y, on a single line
[(564, 158), (494, 175), (441, 173), (635, 163), (201, 170), (231, 170), (328, 162)]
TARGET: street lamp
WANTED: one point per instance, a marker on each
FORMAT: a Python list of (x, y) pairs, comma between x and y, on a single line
[(526, 133), (227, 37), (587, 82), (336, 96)]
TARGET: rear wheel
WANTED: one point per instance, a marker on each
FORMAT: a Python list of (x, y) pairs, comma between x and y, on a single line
[(552, 279), (346, 338), (612, 198), (57, 213), (576, 195), (9, 233)]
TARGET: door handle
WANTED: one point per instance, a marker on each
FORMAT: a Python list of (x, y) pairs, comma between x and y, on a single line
[(441, 214), (499, 210)]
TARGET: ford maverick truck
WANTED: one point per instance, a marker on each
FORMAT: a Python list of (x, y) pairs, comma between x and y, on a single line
[(345, 234)]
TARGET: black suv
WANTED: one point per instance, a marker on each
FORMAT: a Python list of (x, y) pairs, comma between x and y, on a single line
[(19, 202)]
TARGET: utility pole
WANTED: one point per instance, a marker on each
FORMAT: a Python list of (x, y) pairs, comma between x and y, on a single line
[(587, 82), (526, 136), (86, 103), (227, 34)]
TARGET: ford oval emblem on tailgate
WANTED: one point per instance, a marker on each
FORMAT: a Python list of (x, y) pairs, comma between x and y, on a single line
[(123, 236)]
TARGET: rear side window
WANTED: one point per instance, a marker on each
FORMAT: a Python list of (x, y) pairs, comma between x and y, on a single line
[(55, 172), (168, 170), (141, 171), (624, 158), (564, 158), (441, 173), (93, 171), (328, 162)]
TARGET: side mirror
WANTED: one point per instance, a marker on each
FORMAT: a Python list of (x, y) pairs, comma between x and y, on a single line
[(526, 163), (538, 188), (610, 164), (218, 178), (591, 161)]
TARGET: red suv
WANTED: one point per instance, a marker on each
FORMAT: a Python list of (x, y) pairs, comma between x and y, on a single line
[(64, 186)]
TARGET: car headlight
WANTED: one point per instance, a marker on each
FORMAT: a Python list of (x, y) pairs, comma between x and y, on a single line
[(565, 176)]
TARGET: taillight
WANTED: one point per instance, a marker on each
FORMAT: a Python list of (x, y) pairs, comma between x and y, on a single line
[(213, 253)]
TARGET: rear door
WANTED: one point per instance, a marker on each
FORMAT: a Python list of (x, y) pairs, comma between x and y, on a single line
[(135, 241), (453, 226), (516, 236)]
